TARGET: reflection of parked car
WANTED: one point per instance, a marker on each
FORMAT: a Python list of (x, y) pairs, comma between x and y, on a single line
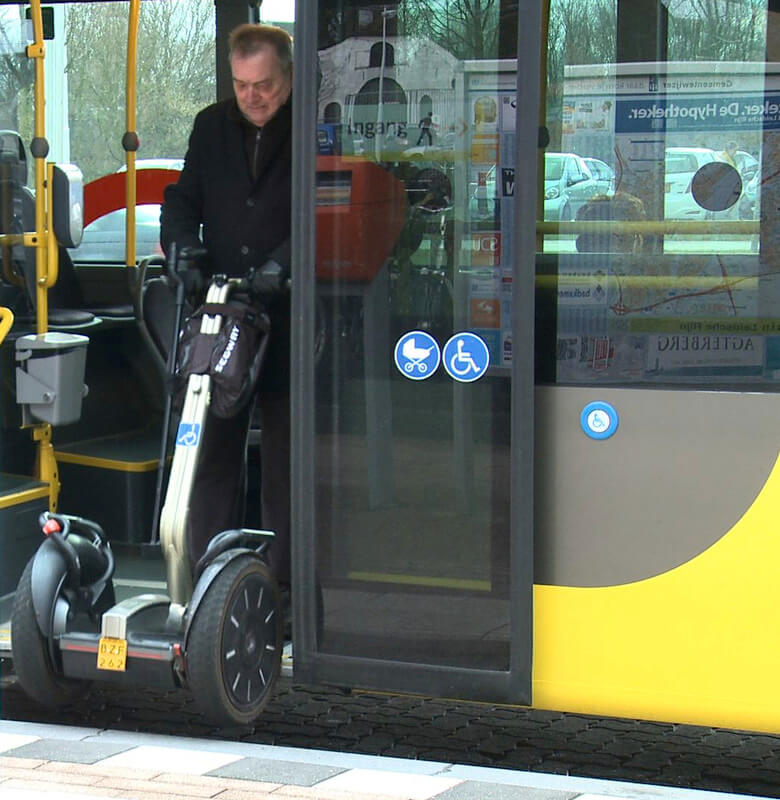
[(748, 202), (603, 174), (747, 165), (681, 164), (568, 183), (104, 239), (156, 163)]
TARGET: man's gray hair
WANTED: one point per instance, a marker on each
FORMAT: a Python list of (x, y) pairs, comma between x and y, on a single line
[(250, 38)]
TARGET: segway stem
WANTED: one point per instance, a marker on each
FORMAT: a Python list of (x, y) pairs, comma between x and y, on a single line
[(153, 546)]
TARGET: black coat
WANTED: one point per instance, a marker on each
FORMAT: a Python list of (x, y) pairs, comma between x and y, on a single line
[(245, 222)]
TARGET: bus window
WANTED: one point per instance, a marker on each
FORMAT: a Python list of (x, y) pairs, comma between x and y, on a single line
[(85, 77), (687, 127)]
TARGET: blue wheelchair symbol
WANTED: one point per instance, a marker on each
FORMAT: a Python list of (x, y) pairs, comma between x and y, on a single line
[(466, 357), (417, 355), (188, 434), (599, 420)]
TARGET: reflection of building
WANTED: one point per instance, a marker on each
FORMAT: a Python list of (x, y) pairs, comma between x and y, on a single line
[(419, 77)]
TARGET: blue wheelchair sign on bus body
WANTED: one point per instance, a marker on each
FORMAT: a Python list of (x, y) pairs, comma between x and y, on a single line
[(466, 357), (417, 355)]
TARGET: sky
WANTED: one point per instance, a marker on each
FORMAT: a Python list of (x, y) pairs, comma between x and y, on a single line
[(277, 10)]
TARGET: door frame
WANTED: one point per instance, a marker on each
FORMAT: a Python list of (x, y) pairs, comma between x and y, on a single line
[(311, 665)]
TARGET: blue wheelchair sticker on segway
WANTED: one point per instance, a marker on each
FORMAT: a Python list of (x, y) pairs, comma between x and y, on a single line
[(188, 434), (466, 357), (417, 355)]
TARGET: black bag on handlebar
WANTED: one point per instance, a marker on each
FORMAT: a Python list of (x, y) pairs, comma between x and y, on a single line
[(233, 356)]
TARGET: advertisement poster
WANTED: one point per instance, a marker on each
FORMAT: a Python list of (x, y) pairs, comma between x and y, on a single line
[(702, 307), (490, 108)]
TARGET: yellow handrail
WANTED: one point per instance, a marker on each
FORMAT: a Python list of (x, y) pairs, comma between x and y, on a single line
[(659, 228), (45, 244), (130, 140), (6, 321), (40, 150)]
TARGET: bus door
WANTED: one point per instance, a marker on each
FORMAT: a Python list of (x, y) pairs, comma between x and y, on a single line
[(412, 387)]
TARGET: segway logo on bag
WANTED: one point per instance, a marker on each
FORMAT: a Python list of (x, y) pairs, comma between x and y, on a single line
[(229, 348), (188, 434)]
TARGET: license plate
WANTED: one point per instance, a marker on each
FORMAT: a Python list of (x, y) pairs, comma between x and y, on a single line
[(112, 654)]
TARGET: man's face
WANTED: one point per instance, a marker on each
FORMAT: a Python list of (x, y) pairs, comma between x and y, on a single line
[(260, 85)]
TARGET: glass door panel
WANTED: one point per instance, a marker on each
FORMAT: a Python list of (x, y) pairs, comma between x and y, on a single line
[(413, 377)]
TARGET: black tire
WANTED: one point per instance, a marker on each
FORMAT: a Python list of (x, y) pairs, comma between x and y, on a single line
[(33, 665), (234, 647)]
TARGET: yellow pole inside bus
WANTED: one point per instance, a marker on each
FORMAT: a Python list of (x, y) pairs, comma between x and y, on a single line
[(45, 245), (37, 52), (130, 140), (6, 321)]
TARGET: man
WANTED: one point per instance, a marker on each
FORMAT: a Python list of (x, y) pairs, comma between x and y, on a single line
[(236, 185), (426, 129)]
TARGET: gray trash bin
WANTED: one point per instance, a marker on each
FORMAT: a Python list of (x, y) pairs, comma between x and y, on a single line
[(50, 375)]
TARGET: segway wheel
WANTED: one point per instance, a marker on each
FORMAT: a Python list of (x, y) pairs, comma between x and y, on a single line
[(234, 647), (33, 664)]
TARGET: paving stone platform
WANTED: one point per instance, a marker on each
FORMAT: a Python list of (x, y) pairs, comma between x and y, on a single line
[(427, 729)]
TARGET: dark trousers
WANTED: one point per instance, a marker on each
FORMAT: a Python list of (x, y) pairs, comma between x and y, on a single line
[(219, 492)]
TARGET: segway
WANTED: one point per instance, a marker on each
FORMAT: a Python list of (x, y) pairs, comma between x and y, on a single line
[(218, 632)]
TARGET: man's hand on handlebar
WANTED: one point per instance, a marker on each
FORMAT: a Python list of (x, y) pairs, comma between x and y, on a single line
[(269, 279)]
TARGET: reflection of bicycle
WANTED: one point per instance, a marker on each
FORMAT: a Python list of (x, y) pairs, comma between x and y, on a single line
[(415, 355), (463, 359)]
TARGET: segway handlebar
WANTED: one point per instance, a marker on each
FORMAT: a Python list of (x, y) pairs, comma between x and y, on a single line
[(186, 268), (57, 527)]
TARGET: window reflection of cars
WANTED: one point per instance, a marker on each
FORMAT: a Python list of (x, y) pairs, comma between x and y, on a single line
[(103, 241), (156, 163), (603, 174), (748, 203), (681, 164), (568, 184), (747, 165)]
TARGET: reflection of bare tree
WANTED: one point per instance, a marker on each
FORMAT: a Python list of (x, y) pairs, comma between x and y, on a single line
[(698, 30), (719, 30), (467, 28), (16, 72), (175, 78)]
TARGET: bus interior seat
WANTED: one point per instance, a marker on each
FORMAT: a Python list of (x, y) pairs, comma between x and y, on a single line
[(67, 306)]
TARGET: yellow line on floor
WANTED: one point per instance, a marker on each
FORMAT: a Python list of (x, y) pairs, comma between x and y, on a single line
[(422, 580)]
